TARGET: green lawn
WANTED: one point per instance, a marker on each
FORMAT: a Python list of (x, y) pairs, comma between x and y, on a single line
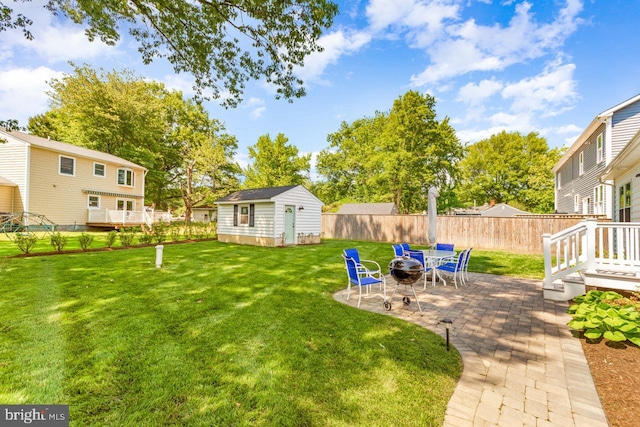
[(220, 335)]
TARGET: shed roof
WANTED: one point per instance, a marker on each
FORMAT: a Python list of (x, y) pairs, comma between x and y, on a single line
[(255, 194), (70, 149), (368, 208)]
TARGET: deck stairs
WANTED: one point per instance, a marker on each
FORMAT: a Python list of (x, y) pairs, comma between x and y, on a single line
[(591, 254)]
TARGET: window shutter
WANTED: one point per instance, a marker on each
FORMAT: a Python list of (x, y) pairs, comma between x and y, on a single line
[(235, 215), (252, 214)]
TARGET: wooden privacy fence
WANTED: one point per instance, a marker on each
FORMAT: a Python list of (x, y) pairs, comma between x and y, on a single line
[(518, 234)]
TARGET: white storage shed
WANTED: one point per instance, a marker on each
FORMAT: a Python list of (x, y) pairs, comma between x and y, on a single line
[(275, 216)]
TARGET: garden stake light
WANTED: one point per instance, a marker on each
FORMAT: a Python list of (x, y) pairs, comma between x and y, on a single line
[(447, 323)]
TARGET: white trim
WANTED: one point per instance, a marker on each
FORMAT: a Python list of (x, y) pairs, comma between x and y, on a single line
[(581, 163), (133, 177), (240, 206), (104, 175), (89, 196), (60, 156)]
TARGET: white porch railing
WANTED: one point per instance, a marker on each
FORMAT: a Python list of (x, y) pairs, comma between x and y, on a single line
[(591, 246), (106, 216)]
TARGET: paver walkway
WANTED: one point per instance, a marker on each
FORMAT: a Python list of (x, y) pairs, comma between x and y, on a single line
[(522, 367)]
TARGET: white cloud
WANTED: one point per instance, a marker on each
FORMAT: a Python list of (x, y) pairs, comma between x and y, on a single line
[(552, 89), (256, 106), (335, 45), (475, 94), (466, 46), (572, 129), (23, 92)]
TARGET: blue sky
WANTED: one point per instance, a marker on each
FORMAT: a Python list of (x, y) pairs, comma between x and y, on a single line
[(547, 66)]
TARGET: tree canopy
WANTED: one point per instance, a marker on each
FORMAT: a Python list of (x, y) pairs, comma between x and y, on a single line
[(275, 163), (509, 167), (222, 44), (188, 155), (392, 157)]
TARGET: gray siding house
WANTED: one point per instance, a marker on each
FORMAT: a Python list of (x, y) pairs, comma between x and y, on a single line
[(578, 185)]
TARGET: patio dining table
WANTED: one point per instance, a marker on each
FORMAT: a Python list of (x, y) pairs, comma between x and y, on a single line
[(435, 257)]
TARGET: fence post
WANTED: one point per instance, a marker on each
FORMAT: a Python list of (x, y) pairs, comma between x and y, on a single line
[(591, 225)]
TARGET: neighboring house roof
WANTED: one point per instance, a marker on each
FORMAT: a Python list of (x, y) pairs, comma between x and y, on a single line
[(368, 209), (595, 123), (69, 149), (625, 160), (6, 183), (497, 210), (255, 194)]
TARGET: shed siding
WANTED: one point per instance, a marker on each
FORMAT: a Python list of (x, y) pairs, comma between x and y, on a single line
[(61, 198), (308, 220), (13, 161), (625, 124), (263, 222)]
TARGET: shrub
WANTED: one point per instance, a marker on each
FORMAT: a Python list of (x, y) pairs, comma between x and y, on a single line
[(126, 238), (26, 242), (85, 240), (159, 232), (145, 238), (58, 241), (110, 238), (174, 232), (606, 314)]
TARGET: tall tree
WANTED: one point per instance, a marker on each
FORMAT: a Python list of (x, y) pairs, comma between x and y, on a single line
[(275, 163), (222, 44), (204, 168), (121, 114), (509, 167), (394, 157)]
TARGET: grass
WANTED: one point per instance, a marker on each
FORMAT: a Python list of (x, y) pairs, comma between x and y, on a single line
[(221, 335)]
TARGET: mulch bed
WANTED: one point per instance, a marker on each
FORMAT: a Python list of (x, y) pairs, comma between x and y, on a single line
[(615, 368)]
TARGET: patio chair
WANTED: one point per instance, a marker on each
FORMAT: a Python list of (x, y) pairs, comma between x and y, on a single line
[(405, 247), (455, 269), (361, 277), (398, 251), (364, 265), (445, 246), (419, 256), (466, 264), (464, 276)]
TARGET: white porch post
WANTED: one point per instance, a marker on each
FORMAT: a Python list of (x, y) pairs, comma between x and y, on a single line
[(546, 246), (591, 244)]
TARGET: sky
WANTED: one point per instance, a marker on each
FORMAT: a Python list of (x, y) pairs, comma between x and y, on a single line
[(544, 66)]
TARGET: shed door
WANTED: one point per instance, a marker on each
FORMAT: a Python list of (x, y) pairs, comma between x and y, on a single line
[(289, 225)]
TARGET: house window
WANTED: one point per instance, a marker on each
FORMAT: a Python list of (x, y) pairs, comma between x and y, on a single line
[(600, 149), (67, 166), (93, 202), (244, 215), (125, 177), (124, 205), (624, 203), (598, 197), (586, 202), (581, 171), (576, 203), (559, 180), (99, 169)]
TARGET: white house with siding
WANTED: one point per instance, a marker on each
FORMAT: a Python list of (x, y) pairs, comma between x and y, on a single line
[(275, 216), (578, 185), (73, 187)]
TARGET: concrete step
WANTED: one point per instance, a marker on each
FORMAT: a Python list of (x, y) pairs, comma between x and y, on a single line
[(564, 290)]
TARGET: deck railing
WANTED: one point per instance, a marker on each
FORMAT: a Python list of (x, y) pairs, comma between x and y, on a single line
[(106, 216), (591, 245)]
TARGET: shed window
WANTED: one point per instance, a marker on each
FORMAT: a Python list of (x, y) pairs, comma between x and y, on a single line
[(244, 215), (67, 166)]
